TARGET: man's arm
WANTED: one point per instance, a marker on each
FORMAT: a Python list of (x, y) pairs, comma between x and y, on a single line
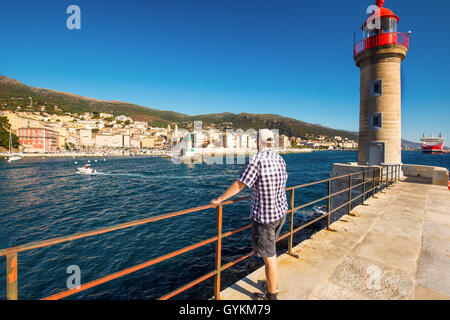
[(233, 190)]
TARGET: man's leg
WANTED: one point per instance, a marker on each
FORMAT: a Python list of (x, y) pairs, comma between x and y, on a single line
[(271, 273)]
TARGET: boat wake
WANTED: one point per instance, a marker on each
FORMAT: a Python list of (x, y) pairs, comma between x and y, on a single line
[(316, 210), (148, 176)]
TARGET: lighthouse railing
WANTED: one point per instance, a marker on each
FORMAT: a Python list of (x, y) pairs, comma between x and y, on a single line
[(381, 39)]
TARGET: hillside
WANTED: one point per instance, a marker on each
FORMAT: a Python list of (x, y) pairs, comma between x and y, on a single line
[(15, 94)]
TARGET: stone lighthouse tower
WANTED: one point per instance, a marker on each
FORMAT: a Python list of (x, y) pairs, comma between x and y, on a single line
[(379, 56)]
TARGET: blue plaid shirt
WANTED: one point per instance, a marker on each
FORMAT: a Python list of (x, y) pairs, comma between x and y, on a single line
[(266, 176)]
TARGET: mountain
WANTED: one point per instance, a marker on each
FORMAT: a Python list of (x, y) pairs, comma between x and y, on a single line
[(15, 94)]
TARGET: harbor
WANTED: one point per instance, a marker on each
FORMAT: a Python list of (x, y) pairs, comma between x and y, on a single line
[(42, 218), (247, 164)]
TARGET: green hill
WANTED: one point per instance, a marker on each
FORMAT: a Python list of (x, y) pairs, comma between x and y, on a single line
[(15, 94)]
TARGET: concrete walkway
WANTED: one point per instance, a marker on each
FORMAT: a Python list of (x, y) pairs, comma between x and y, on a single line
[(396, 246)]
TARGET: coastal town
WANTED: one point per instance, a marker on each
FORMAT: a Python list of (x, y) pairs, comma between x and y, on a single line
[(87, 133)]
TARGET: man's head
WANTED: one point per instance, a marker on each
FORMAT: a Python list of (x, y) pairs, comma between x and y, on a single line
[(266, 139)]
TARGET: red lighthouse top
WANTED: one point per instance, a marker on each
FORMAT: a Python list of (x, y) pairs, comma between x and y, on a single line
[(381, 12), (380, 29)]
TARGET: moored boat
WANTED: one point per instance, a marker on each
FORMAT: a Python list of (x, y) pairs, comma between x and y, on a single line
[(12, 157)]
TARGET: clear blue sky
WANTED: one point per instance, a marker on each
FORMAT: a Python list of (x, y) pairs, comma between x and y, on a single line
[(292, 58)]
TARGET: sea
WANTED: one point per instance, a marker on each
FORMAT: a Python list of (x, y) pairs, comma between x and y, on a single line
[(45, 198)]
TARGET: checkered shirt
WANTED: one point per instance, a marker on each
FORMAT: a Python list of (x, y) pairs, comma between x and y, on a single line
[(266, 176)]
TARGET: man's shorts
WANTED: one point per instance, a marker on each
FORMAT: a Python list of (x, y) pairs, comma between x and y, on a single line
[(264, 237)]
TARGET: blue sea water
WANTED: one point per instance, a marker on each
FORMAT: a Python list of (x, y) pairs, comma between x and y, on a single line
[(45, 198)]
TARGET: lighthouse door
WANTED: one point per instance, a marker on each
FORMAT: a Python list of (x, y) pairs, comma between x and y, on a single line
[(375, 154)]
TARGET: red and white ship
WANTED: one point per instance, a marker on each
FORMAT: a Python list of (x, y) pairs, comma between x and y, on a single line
[(432, 144)]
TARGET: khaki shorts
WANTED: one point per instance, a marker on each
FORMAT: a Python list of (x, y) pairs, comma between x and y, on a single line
[(265, 236)]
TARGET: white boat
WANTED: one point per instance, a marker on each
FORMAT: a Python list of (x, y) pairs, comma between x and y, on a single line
[(86, 170), (12, 157)]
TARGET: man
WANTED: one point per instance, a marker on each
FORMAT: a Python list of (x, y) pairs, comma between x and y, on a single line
[(266, 176)]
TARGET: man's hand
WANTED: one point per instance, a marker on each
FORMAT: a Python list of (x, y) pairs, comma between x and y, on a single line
[(233, 190)]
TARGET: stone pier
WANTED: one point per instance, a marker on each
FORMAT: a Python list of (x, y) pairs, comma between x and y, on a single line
[(396, 246)]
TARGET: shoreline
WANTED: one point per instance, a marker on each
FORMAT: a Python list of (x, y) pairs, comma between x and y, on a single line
[(156, 154), (76, 155)]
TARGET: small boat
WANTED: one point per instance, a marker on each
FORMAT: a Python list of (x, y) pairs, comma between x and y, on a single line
[(86, 170), (12, 157)]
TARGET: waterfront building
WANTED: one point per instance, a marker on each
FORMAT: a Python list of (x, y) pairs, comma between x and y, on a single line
[(63, 134), (126, 141), (214, 137), (284, 141), (244, 141), (148, 142), (109, 141), (230, 140), (252, 142), (22, 121), (199, 139), (152, 142), (38, 139), (135, 143), (86, 139)]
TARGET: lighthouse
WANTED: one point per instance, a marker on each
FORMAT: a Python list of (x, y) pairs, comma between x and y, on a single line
[(379, 56), (379, 53)]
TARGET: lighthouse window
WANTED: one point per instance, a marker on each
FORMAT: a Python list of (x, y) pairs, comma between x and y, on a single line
[(375, 120), (376, 88)]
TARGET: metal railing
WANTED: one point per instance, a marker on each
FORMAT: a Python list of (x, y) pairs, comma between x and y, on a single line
[(381, 39), (378, 179)]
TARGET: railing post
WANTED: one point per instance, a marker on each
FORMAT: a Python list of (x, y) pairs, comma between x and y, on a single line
[(11, 276), (392, 175), (388, 180), (329, 205), (364, 186), (373, 181), (350, 193), (218, 252), (291, 227), (381, 178), (387, 177)]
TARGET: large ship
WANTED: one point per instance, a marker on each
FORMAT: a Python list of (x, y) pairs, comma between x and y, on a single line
[(432, 144)]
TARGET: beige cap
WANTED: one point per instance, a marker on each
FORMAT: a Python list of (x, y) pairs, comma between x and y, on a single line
[(264, 135)]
